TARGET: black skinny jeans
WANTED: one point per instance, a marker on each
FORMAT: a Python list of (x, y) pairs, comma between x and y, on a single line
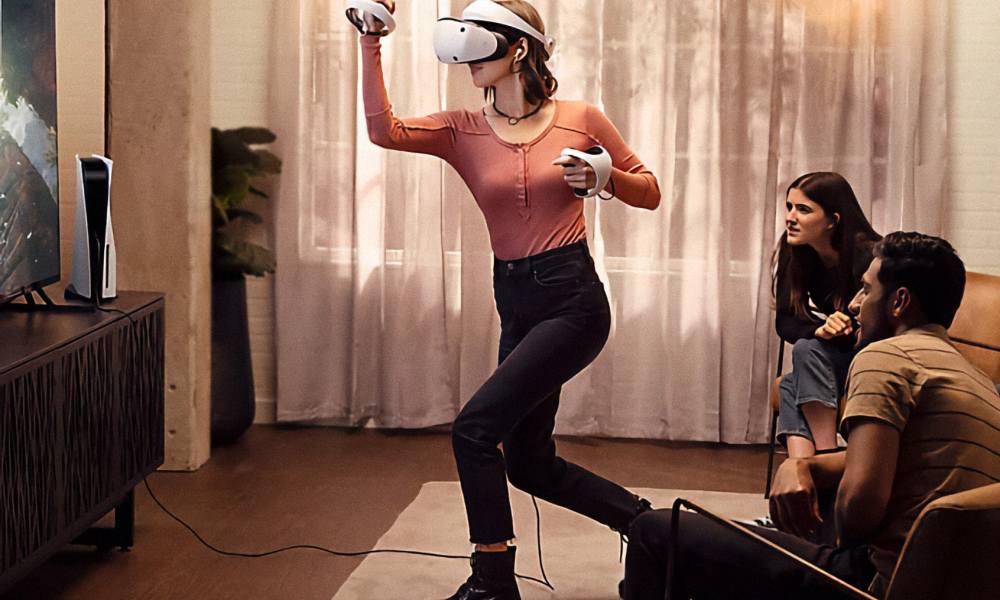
[(554, 320)]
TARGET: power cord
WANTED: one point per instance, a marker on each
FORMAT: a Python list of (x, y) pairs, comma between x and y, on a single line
[(538, 539), (218, 550), (538, 528), (117, 311)]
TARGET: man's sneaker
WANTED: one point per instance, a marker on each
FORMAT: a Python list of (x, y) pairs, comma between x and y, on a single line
[(764, 522)]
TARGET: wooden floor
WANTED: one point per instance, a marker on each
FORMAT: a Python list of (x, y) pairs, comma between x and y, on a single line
[(329, 487)]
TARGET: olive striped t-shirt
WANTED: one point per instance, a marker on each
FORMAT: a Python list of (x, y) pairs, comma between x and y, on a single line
[(948, 413)]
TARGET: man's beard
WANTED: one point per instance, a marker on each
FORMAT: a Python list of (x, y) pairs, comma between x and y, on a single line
[(878, 330)]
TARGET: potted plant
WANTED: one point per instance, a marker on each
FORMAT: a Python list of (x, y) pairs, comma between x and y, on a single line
[(237, 165)]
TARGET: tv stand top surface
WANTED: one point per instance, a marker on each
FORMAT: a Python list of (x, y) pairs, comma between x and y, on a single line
[(26, 334)]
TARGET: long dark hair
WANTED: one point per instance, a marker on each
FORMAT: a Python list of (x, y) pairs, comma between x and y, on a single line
[(853, 238), (538, 81)]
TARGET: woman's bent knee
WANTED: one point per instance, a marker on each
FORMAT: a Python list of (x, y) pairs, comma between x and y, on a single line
[(808, 348), (526, 476), (467, 435)]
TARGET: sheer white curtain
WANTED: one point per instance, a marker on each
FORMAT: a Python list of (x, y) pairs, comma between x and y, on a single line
[(384, 303)]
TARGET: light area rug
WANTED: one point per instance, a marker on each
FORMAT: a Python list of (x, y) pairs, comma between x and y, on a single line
[(580, 555)]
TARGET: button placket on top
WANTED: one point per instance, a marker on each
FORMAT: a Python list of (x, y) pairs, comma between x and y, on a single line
[(523, 208)]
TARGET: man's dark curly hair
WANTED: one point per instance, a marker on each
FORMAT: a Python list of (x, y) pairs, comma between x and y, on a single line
[(926, 265)]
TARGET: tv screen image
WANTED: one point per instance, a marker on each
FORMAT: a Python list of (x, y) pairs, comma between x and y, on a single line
[(29, 170)]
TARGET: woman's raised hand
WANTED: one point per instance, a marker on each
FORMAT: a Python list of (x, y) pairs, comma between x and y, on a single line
[(368, 23), (836, 325), (576, 173), (377, 26)]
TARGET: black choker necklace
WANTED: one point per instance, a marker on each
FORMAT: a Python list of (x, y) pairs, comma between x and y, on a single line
[(515, 120)]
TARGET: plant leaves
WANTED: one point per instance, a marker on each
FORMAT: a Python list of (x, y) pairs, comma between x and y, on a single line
[(228, 149), (219, 210), (235, 164), (245, 214), (253, 135), (267, 162), (238, 256), (233, 183)]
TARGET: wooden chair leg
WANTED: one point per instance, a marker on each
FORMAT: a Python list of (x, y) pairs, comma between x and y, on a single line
[(770, 453), (774, 423)]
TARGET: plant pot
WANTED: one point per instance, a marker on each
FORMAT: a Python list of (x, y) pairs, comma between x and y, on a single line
[(233, 399)]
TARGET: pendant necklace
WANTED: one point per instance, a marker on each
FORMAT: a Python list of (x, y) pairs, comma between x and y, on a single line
[(515, 120)]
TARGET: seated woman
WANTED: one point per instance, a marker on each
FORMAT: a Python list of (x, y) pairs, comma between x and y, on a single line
[(826, 247)]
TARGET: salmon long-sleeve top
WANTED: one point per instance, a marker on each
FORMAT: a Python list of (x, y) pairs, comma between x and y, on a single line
[(527, 204)]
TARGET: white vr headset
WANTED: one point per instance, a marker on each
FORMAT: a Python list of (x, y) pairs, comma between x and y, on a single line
[(467, 41)]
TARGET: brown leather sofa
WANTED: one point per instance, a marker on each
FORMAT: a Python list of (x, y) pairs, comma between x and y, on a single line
[(953, 550), (976, 330)]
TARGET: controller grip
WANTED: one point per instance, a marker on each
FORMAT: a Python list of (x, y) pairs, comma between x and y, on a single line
[(363, 14), (598, 158)]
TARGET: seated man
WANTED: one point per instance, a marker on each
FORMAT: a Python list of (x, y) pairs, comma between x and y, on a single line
[(921, 421)]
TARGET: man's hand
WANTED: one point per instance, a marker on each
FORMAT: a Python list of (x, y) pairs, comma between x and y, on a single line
[(836, 325), (794, 503)]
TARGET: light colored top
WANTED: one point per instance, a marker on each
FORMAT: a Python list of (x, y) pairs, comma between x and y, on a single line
[(948, 414), (528, 206)]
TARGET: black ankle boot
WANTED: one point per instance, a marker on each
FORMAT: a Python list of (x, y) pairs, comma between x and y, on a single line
[(641, 505), (492, 577)]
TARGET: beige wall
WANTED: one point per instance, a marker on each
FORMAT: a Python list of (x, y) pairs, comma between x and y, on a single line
[(159, 139), (241, 48), (973, 223), (80, 73)]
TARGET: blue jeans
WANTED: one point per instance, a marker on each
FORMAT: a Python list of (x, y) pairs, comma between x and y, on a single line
[(554, 320), (819, 370)]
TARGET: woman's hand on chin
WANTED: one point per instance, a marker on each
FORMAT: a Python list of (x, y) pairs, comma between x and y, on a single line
[(838, 324)]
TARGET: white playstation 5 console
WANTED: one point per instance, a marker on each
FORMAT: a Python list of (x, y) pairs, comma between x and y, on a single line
[(93, 277)]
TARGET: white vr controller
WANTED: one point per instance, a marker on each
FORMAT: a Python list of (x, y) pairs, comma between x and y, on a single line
[(599, 160), (363, 14)]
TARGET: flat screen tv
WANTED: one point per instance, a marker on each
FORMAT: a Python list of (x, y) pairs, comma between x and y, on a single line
[(29, 170)]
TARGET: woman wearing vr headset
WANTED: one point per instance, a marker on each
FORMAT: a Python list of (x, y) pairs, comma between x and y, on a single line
[(826, 247), (529, 160)]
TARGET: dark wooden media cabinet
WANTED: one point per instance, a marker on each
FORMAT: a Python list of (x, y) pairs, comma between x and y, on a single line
[(81, 423)]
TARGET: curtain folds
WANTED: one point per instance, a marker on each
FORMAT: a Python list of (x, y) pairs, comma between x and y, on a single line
[(384, 293)]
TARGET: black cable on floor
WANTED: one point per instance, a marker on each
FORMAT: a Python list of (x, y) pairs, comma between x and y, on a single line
[(538, 537), (538, 527), (217, 550)]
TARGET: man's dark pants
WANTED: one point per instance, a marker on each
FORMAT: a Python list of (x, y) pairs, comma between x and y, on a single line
[(715, 562)]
